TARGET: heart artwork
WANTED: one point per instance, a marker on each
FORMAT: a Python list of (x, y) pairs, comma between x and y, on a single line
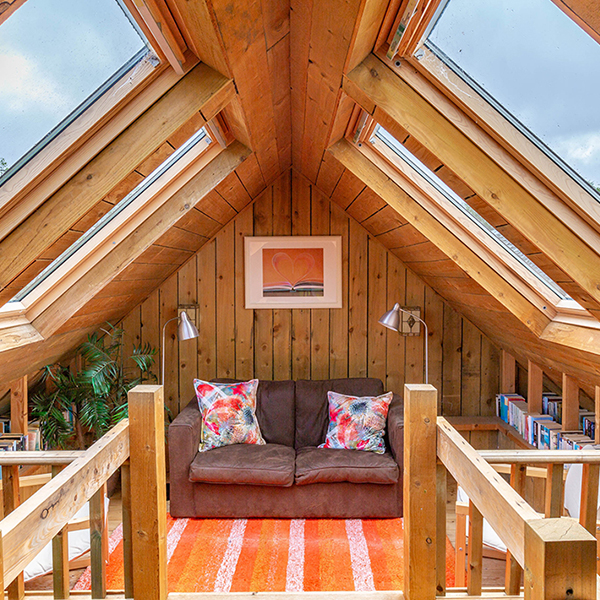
[(293, 270)]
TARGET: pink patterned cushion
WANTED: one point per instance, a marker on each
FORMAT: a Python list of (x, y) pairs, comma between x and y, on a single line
[(228, 413), (357, 423)]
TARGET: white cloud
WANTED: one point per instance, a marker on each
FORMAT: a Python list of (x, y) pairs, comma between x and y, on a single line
[(584, 147), (25, 86)]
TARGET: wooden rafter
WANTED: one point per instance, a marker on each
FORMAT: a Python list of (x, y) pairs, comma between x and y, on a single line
[(381, 92), (203, 89)]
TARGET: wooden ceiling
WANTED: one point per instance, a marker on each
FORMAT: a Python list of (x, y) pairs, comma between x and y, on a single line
[(287, 78)]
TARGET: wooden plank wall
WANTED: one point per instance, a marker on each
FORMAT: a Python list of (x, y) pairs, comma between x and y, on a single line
[(317, 344)]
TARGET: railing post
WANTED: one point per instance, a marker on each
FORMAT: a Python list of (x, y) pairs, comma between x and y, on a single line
[(12, 499), (127, 531), (148, 487), (440, 568), (60, 556), (420, 450), (98, 542), (560, 560)]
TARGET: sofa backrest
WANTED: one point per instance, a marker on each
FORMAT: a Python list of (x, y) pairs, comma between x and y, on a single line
[(312, 408), (275, 410)]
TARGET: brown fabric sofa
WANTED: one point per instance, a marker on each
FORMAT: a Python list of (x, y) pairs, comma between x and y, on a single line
[(288, 477)]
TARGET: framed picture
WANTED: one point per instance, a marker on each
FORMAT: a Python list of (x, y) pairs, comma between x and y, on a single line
[(293, 272)]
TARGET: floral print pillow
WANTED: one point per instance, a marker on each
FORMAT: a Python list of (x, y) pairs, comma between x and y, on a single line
[(357, 423), (228, 413)]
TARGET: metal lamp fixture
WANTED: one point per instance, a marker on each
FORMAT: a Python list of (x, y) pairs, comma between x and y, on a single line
[(186, 331), (391, 319)]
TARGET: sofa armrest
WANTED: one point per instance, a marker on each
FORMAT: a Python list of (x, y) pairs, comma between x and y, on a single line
[(184, 439), (395, 427)]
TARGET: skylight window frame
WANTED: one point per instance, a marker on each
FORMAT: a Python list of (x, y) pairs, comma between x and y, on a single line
[(508, 252), (497, 256), (68, 151), (110, 232), (583, 199)]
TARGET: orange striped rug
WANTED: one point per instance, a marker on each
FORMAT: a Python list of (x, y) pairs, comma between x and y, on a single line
[(241, 555)]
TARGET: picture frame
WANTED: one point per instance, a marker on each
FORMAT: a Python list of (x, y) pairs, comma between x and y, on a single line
[(293, 272)]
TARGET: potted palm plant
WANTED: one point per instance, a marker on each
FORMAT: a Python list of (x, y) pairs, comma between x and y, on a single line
[(76, 409)]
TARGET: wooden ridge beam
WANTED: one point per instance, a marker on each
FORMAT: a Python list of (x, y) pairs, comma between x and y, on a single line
[(156, 223), (451, 244), (203, 89), (386, 96)]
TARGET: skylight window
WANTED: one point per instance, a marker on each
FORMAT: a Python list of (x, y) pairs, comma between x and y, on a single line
[(56, 58), (199, 140), (532, 61), (403, 153)]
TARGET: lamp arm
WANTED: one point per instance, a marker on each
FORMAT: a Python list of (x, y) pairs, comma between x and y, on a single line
[(426, 342), (164, 331)]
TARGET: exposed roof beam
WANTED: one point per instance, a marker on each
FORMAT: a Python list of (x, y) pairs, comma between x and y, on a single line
[(585, 13), (386, 96), (156, 221), (203, 89), (450, 243)]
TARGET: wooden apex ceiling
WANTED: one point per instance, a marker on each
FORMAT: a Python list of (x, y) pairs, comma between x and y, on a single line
[(283, 75)]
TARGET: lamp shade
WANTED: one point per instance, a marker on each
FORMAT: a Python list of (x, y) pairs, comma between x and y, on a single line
[(187, 330), (391, 319)]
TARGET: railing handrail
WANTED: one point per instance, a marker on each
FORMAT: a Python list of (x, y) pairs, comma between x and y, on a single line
[(39, 457), (505, 510), (541, 457), (33, 524)]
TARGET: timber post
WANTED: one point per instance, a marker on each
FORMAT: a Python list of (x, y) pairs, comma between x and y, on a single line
[(420, 486), (148, 487), (560, 560)]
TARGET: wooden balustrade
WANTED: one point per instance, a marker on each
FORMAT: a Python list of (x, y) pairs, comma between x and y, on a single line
[(137, 446), (557, 555)]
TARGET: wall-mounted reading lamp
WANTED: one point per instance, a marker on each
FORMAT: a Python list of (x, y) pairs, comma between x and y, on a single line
[(392, 320)]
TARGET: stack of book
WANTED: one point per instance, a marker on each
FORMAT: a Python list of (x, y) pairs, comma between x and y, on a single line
[(12, 442), (544, 431)]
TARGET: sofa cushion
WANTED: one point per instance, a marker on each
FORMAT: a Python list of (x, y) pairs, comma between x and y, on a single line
[(312, 408), (228, 413), (245, 464), (357, 422), (327, 465), (275, 410)]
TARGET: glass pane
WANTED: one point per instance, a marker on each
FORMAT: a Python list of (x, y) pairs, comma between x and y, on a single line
[(538, 64), (403, 153), (53, 55)]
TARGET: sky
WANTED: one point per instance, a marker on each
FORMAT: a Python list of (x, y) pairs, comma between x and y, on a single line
[(53, 55), (538, 64)]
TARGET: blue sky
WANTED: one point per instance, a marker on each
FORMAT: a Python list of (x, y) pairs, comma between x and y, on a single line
[(538, 64), (53, 55)]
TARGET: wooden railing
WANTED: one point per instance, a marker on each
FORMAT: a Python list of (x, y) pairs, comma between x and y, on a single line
[(558, 554), (136, 446)]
